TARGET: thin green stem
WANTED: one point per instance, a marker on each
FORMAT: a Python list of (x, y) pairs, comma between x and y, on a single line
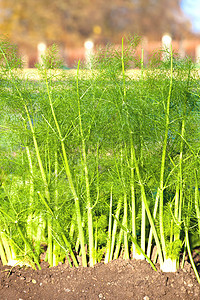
[(114, 229), (56, 178), (154, 217), (3, 254), (162, 170), (125, 223), (118, 243), (107, 256), (197, 202), (144, 199), (6, 245), (133, 200), (123, 72), (190, 255), (31, 182), (87, 184), (180, 169)]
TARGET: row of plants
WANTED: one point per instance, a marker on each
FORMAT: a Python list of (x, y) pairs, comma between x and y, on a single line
[(97, 164)]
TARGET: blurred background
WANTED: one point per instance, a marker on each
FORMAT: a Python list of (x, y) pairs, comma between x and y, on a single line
[(80, 26)]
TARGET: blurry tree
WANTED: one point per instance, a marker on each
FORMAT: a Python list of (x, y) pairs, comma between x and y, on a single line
[(28, 22), (151, 18), (160, 16)]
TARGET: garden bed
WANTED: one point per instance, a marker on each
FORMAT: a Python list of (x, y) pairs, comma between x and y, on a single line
[(117, 280)]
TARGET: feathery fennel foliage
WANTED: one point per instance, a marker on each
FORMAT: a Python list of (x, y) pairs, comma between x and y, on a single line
[(97, 164)]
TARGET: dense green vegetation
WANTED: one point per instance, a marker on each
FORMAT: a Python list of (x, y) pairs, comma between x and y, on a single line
[(97, 164)]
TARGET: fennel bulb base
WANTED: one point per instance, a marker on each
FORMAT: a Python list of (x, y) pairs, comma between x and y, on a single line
[(169, 265)]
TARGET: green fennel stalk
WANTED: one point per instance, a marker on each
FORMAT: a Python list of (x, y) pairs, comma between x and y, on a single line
[(197, 202), (3, 254), (87, 184), (190, 255), (70, 180), (133, 200), (162, 170), (143, 223), (108, 246)]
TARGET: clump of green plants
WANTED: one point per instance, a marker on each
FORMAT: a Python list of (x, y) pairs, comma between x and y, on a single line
[(96, 164)]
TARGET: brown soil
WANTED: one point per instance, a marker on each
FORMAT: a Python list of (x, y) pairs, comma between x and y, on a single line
[(119, 279)]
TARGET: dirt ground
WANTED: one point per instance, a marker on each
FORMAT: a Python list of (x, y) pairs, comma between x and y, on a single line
[(119, 279)]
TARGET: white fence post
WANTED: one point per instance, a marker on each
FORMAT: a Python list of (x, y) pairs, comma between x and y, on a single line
[(89, 45), (166, 46), (197, 54), (41, 51)]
